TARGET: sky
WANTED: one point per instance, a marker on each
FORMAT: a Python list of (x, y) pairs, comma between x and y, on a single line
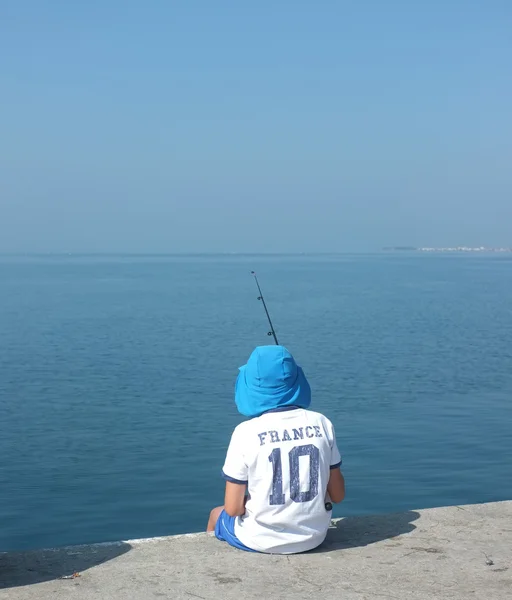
[(229, 126)]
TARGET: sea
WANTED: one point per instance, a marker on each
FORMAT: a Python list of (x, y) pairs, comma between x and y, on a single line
[(117, 382)]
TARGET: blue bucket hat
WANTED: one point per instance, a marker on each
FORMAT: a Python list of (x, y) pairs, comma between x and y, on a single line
[(271, 379)]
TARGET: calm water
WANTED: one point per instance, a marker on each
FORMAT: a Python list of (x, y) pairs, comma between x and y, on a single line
[(117, 375)]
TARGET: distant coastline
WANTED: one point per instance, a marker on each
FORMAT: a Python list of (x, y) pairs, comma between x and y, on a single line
[(459, 249)]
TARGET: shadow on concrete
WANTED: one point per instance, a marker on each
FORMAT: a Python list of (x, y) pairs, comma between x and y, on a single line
[(354, 532), (26, 568)]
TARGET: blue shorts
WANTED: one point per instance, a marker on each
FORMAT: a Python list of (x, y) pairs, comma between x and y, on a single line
[(225, 532)]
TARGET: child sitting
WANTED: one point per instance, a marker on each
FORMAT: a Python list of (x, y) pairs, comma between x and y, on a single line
[(285, 456)]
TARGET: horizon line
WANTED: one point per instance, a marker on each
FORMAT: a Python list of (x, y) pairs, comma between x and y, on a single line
[(183, 254)]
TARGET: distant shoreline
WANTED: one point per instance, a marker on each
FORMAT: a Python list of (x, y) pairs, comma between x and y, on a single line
[(457, 249)]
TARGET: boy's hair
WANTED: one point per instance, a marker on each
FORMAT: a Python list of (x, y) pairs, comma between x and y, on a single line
[(271, 379)]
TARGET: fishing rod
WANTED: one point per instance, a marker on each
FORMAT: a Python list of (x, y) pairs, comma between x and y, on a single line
[(260, 297)]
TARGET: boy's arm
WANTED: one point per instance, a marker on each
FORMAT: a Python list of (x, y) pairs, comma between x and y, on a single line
[(235, 472), (234, 499), (336, 486)]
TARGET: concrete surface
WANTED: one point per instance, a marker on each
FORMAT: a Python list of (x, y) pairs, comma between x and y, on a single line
[(460, 552)]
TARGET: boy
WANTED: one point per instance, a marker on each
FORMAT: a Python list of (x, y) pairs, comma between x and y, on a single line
[(286, 458)]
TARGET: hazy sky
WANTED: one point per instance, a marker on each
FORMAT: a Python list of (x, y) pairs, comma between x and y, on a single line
[(202, 125)]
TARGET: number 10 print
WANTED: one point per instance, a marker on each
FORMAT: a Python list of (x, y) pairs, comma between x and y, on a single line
[(277, 496)]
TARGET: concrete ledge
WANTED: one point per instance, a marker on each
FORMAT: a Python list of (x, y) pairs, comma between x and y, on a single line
[(457, 552)]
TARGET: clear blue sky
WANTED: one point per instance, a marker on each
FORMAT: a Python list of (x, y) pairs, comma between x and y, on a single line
[(201, 125)]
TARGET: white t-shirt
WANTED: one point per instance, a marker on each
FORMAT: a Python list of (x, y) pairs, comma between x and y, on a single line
[(285, 457)]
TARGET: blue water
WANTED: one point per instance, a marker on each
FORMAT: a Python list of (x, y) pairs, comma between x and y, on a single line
[(117, 375)]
